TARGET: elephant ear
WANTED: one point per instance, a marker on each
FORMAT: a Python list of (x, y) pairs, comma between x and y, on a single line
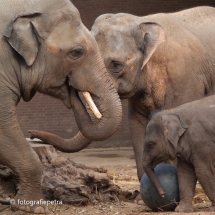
[(148, 37), (174, 128), (22, 36)]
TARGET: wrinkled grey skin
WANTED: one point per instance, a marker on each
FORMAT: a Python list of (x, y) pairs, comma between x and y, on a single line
[(188, 133), (46, 48), (157, 62)]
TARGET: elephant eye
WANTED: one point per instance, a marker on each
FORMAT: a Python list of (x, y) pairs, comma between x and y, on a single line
[(151, 145), (76, 53), (116, 67)]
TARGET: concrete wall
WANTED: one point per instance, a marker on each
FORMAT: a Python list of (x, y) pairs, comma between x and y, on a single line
[(49, 114)]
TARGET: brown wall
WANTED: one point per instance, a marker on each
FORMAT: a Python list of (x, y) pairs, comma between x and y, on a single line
[(48, 114), (91, 9)]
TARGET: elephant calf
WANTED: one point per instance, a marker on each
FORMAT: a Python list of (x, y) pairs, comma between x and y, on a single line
[(188, 133)]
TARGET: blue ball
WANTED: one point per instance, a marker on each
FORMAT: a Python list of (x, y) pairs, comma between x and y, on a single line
[(167, 174)]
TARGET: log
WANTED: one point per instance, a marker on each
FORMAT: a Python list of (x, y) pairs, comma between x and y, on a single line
[(65, 180)]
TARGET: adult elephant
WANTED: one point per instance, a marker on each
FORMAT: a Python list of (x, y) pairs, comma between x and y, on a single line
[(157, 62), (46, 48)]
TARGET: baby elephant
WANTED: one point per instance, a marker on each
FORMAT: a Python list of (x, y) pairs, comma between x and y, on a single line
[(188, 133)]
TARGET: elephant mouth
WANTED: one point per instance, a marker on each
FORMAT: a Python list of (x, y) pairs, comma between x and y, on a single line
[(125, 95), (157, 161)]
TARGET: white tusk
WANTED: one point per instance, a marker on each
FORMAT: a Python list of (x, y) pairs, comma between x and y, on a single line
[(91, 104)]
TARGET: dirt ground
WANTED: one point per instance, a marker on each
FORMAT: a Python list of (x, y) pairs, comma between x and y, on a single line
[(120, 164)]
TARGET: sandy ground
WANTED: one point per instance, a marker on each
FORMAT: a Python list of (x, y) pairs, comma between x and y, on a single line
[(119, 162), (121, 165)]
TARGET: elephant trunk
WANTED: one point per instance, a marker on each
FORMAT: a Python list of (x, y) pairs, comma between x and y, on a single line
[(107, 101), (95, 103), (153, 177), (75, 144)]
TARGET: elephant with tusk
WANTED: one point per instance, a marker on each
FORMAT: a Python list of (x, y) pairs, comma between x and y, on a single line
[(46, 48)]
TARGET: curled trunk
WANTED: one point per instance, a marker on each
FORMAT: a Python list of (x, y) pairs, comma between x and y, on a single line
[(75, 144), (91, 127), (99, 115), (92, 77)]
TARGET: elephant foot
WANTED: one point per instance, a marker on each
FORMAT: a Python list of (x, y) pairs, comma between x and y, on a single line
[(31, 205), (182, 207), (138, 200)]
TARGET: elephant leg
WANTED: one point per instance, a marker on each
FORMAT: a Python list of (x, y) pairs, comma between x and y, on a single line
[(205, 172), (187, 183), (137, 126), (16, 153)]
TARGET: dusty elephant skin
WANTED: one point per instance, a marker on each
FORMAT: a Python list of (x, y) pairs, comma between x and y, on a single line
[(157, 62), (186, 132), (46, 48)]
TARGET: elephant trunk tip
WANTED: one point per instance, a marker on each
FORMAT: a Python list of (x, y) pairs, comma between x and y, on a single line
[(31, 132), (162, 193)]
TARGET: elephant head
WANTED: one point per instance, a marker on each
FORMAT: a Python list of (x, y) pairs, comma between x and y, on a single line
[(58, 56), (163, 133), (127, 44)]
